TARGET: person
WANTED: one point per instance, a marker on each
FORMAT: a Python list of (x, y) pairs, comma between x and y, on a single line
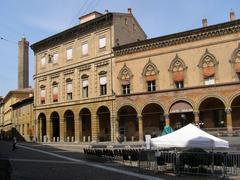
[(14, 143)]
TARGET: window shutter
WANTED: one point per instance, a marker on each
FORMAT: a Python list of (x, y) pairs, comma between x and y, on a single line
[(43, 61), (55, 58), (151, 78), (69, 53), (208, 71), (178, 76), (69, 87), (103, 80), (42, 94), (85, 83), (102, 42), (85, 49), (55, 93)]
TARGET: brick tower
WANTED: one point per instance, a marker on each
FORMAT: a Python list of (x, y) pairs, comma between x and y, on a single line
[(23, 71)]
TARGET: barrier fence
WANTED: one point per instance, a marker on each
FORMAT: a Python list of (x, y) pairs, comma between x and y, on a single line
[(195, 161)]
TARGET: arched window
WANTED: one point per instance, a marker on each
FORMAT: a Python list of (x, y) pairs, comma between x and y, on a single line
[(42, 94), (208, 65), (103, 82), (150, 74), (69, 88), (235, 61), (125, 76), (55, 91), (85, 84), (177, 68)]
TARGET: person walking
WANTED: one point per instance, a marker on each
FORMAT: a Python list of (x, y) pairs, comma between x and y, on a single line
[(14, 143)]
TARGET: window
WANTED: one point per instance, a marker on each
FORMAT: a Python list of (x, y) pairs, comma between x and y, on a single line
[(43, 61), (55, 58), (23, 129), (85, 49), (103, 85), (151, 85), (179, 84), (69, 53), (85, 88), (55, 93), (42, 96), (126, 89), (102, 42), (69, 90), (238, 76), (209, 80)]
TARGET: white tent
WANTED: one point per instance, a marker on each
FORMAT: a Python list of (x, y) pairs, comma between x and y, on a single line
[(189, 136)]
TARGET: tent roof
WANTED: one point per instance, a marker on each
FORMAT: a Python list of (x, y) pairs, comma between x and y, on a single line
[(189, 136)]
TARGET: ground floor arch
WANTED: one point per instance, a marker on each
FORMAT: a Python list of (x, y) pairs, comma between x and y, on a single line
[(128, 123), (235, 110), (180, 114), (42, 127), (103, 114), (153, 119), (69, 126), (212, 113), (55, 120), (85, 118)]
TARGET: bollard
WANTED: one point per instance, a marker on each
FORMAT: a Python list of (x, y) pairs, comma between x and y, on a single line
[(58, 139), (84, 138), (45, 139), (125, 138), (132, 138), (89, 138), (72, 140), (54, 139), (68, 139)]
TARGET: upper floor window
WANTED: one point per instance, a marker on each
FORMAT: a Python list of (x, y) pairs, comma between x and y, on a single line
[(55, 92), (69, 53), (151, 86), (55, 58), (85, 88), (42, 95), (209, 80), (179, 84), (235, 61), (43, 61), (69, 89), (126, 89), (85, 48), (103, 83), (125, 76), (102, 42)]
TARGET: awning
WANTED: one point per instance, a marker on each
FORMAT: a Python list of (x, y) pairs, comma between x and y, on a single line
[(181, 107)]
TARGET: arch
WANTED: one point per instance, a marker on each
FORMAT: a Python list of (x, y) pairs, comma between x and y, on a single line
[(125, 73), (42, 127), (150, 69), (177, 63), (84, 76), (103, 114), (181, 113), (235, 110), (211, 96), (231, 99), (153, 102), (85, 117), (187, 100), (68, 80), (128, 104), (128, 123), (206, 58), (69, 126), (153, 119), (212, 112), (235, 54), (55, 121)]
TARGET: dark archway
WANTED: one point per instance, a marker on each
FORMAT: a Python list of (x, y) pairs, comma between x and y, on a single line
[(180, 114), (235, 106), (85, 116), (212, 113), (69, 125), (42, 127), (153, 119), (103, 114), (55, 126), (128, 123)]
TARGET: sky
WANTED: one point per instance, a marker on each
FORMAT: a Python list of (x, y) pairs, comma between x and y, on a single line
[(38, 19)]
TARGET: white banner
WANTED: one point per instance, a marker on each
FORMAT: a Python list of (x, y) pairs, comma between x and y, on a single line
[(85, 83)]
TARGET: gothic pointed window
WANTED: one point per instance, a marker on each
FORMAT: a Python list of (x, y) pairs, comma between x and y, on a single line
[(150, 73), (235, 61), (177, 68), (125, 76), (208, 65)]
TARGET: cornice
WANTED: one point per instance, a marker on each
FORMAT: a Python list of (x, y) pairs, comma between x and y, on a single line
[(179, 38)]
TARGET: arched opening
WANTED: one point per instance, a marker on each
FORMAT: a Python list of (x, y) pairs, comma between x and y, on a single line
[(153, 119), (55, 127), (69, 126), (212, 113), (42, 129), (128, 124), (104, 124), (235, 106), (85, 116), (180, 114)]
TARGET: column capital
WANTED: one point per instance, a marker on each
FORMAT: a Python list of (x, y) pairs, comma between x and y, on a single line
[(166, 116), (228, 110), (139, 116), (196, 113)]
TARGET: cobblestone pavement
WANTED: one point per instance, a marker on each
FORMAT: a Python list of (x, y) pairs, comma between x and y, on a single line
[(42, 162)]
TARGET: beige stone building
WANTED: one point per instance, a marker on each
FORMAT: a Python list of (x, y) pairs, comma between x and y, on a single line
[(74, 97), (1, 113), (191, 76), (24, 119), (103, 80)]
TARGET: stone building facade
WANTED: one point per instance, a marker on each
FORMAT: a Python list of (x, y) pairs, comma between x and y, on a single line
[(74, 97)]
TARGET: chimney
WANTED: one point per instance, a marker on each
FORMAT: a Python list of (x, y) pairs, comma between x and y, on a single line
[(23, 71), (106, 11), (204, 22), (232, 15), (129, 10)]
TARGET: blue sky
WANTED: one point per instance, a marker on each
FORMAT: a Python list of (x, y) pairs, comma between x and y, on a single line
[(38, 19)]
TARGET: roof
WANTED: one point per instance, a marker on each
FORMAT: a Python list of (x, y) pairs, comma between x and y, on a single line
[(18, 91), (101, 21), (179, 38), (22, 102)]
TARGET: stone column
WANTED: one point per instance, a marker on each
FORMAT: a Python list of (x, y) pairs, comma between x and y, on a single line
[(40, 131), (62, 130), (140, 127), (112, 123), (77, 127), (95, 128), (167, 120), (49, 135), (229, 119), (116, 129), (80, 129), (196, 119)]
